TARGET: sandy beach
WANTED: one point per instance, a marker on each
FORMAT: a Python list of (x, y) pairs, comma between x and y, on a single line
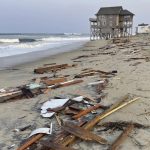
[(133, 77)]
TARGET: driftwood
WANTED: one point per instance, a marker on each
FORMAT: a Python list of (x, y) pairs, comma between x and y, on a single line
[(83, 133), (89, 125), (122, 137)]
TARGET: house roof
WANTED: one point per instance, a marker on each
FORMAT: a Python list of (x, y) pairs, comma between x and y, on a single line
[(93, 19), (142, 24), (118, 10), (126, 12), (110, 10)]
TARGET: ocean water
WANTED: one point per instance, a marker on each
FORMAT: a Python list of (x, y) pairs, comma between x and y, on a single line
[(19, 44)]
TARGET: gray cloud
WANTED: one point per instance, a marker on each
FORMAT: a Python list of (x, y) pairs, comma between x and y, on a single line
[(53, 16)]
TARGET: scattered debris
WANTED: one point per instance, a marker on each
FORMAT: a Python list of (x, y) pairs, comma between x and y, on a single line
[(122, 137), (54, 68), (83, 133), (42, 130), (52, 104)]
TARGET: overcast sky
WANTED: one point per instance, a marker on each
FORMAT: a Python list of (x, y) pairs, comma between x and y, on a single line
[(58, 16)]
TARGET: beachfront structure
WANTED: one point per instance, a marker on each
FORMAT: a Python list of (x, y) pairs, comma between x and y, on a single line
[(143, 29), (111, 22)]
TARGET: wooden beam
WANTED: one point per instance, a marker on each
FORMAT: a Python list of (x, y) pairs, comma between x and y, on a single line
[(83, 133), (88, 110), (122, 137), (31, 141)]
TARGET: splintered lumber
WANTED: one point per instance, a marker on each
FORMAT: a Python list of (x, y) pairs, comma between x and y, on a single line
[(31, 141), (55, 146), (67, 83), (88, 110), (42, 70), (89, 125), (83, 133), (7, 96), (55, 81), (122, 137)]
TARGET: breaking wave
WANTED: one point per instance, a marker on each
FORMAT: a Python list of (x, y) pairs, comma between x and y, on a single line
[(15, 46)]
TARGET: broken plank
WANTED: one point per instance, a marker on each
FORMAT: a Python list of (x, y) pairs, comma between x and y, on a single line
[(55, 146), (122, 137), (83, 133), (88, 110), (67, 83), (42, 70), (55, 81), (7, 96), (31, 141)]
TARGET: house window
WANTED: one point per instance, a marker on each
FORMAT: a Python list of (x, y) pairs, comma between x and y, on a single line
[(104, 23)]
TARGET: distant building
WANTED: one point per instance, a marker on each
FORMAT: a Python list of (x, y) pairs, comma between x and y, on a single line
[(143, 29), (111, 22)]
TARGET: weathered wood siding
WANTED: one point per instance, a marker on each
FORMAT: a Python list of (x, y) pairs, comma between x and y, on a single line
[(108, 21)]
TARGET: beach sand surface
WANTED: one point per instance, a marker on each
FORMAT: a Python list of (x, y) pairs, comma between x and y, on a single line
[(133, 78)]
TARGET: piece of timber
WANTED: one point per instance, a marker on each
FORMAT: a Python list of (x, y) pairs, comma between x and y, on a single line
[(67, 83), (68, 140), (55, 81), (83, 133), (55, 146), (8, 96), (88, 110), (42, 70), (122, 137), (85, 74), (31, 141)]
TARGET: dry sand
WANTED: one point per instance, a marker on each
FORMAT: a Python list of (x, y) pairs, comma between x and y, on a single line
[(131, 78)]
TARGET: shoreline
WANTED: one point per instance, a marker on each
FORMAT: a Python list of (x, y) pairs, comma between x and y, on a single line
[(20, 59)]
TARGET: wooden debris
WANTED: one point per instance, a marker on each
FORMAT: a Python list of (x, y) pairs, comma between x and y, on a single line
[(82, 133), (7, 96), (93, 72), (120, 125), (122, 137), (82, 56), (55, 81), (85, 74), (54, 68), (58, 119), (89, 125), (31, 141), (55, 146), (27, 92), (88, 110), (120, 40), (138, 58), (67, 83)]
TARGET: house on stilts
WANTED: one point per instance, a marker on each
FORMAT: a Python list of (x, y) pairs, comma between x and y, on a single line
[(111, 22)]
